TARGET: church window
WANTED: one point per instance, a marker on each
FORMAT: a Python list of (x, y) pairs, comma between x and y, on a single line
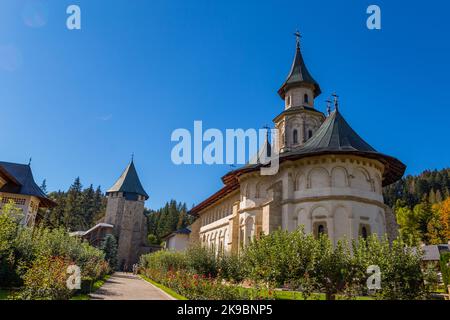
[(364, 232), (320, 229), (295, 136), (306, 98), (288, 100), (310, 133)]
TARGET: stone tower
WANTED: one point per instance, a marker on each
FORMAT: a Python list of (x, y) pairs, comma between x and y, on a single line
[(125, 211)]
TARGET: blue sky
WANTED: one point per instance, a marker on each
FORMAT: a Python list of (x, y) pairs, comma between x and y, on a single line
[(80, 102)]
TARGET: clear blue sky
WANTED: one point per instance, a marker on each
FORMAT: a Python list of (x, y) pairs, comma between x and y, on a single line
[(80, 102)]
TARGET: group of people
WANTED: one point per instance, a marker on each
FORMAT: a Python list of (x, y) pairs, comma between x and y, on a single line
[(134, 268)]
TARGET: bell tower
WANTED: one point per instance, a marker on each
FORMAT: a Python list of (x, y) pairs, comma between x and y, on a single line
[(299, 120), (125, 211)]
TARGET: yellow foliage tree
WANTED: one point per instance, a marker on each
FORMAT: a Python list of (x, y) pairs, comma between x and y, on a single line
[(444, 212)]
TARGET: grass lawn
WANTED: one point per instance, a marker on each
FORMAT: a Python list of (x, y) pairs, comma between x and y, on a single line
[(163, 288), (97, 284)]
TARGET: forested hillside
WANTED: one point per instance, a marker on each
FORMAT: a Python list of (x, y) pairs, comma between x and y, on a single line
[(171, 217), (422, 206)]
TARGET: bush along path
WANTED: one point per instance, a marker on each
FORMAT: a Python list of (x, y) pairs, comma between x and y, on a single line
[(127, 286)]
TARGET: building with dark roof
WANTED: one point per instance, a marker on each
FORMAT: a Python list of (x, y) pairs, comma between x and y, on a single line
[(329, 179), (17, 184), (177, 240)]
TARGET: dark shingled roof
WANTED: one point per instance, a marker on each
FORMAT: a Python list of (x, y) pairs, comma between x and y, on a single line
[(336, 134), (22, 182), (299, 75), (179, 231), (129, 182)]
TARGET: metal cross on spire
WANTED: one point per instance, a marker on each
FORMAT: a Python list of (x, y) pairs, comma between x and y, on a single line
[(336, 101), (132, 157), (328, 101), (297, 38), (29, 161)]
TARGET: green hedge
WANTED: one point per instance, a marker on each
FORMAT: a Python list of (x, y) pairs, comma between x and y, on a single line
[(298, 262)]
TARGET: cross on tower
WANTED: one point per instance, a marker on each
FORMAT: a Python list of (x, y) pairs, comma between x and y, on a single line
[(297, 38), (336, 100), (328, 101)]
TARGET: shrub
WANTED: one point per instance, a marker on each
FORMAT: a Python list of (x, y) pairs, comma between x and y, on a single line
[(282, 259), (164, 261), (196, 287), (9, 228), (445, 268), (201, 260), (46, 280), (231, 268)]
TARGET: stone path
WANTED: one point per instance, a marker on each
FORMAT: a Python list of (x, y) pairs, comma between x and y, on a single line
[(126, 286)]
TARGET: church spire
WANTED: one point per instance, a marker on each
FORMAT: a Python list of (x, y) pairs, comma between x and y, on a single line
[(299, 75)]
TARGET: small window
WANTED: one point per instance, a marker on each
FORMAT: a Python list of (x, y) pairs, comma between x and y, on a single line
[(364, 233), (295, 136), (320, 229), (310, 133), (288, 100), (306, 98)]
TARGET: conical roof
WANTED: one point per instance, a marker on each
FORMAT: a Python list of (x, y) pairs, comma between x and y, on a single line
[(129, 182), (335, 134), (298, 76)]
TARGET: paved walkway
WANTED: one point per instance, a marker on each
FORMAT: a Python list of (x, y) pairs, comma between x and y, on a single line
[(126, 286)]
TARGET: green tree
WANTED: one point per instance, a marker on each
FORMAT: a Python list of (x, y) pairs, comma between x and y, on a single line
[(409, 228), (109, 247)]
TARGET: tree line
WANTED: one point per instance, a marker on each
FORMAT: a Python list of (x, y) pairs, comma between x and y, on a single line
[(422, 206), (77, 208), (173, 216)]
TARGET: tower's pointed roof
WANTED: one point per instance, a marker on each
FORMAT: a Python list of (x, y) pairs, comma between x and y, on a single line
[(299, 76), (129, 182)]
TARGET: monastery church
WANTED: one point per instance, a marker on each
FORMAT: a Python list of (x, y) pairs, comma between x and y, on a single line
[(330, 180)]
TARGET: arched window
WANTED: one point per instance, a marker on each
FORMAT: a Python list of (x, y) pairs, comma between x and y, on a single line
[(295, 136), (320, 229), (288, 100), (364, 232), (310, 133), (306, 98)]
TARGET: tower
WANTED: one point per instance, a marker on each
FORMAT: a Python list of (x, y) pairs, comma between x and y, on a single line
[(125, 211), (299, 120)]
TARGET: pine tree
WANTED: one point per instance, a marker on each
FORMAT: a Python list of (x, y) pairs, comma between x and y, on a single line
[(73, 211), (43, 186), (109, 247)]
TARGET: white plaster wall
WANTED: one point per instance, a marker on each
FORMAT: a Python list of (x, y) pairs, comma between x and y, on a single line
[(178, 242)]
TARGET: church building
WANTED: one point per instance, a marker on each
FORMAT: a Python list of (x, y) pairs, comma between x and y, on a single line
[(329, 180)]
